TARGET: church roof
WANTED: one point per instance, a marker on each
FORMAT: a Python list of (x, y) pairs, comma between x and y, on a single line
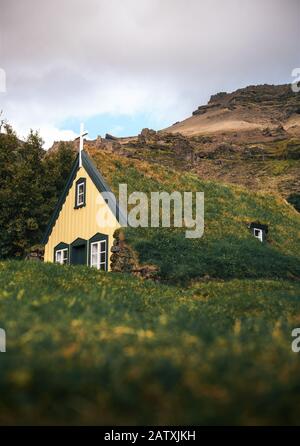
[(99, 182)]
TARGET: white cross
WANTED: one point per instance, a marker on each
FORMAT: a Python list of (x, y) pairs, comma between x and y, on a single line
[(81, 135)]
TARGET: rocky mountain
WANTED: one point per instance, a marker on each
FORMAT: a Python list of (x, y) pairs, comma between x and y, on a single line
[(254, 112)]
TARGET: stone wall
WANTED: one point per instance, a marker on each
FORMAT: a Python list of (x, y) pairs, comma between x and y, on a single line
[(125, 260)]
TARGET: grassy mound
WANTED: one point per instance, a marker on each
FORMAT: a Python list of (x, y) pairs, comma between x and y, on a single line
[(227, 250), (89, 347)]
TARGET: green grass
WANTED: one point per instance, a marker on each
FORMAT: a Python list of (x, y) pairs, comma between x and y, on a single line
[(85, 347), (88, 347), (227, 250)]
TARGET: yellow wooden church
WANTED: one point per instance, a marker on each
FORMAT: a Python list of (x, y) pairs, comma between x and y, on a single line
[(73, 235)]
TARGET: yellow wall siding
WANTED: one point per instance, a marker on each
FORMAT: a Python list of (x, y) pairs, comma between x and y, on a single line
[(73, 223)]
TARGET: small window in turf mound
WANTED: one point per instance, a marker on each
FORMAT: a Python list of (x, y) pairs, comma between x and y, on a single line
[(259, 230)]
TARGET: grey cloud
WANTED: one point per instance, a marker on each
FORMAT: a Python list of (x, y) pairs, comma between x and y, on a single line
[(70, 57)]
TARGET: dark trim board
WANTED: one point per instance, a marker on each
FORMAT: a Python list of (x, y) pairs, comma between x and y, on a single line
[(60, 202), (61, 245), (100, 184), (256, 225), (79, 251)]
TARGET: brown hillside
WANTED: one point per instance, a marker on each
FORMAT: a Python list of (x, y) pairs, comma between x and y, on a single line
[(250, 112)]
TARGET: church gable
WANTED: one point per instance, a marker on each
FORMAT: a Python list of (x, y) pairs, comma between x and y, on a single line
[(76, 218), (92, 172)]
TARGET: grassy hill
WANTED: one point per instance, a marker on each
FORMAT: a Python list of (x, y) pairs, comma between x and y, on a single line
[(89, 347), (266, 164), (227, 250), (209, 343)]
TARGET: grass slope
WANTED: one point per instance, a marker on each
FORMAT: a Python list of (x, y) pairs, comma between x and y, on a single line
[(88, 347), (227, 250)]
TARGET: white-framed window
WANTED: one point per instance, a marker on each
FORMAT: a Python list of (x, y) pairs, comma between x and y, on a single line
[(61, 256), (258, 234), (80, 194), (98, 254)]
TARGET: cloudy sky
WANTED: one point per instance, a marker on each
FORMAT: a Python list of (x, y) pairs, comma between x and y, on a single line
[(121, 65)]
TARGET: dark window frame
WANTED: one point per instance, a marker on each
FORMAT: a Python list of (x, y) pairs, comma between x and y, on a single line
[(78, 182), (61, 246), (98, 237)]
